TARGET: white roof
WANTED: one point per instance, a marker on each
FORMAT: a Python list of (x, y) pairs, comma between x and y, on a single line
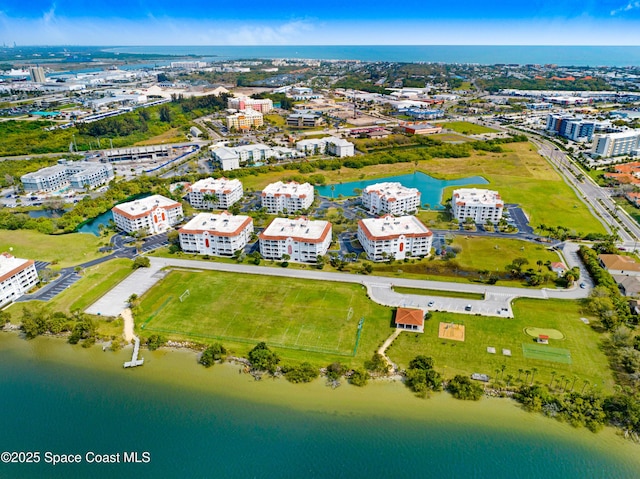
[(9, 263), (477, 197), (390, 190), (225, 153), (289, 189), (390, 227), (219, 185), (224, 224), (142, 205), (301, 229)]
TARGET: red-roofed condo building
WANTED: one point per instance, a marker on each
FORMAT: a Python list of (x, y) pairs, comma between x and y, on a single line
[(218, 235), (302, 239), (478, 204), (390, 198), (17, 276), (291, 197), (390, 237), (155, 214), (225, 192)]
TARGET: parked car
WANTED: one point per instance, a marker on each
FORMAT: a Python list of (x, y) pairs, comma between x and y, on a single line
[(430, 304), (583, 285), (467, 307)]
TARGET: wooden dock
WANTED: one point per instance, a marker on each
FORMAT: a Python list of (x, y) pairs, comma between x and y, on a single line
[(134, 358)]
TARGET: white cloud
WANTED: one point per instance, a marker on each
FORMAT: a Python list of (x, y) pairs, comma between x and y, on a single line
[(626, 8), (50, 15)]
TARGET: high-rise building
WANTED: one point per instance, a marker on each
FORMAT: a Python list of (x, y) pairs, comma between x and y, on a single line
[(569, 126), (615, 144)]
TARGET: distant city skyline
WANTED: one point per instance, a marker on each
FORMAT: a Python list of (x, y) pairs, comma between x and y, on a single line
[(327, 22)]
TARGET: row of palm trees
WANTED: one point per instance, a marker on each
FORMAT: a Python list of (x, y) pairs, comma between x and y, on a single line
[(562, 381)]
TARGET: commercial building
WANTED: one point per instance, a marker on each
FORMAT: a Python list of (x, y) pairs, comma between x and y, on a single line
[(390, 198), (67, 174), (329, 145), (569, 126), (478, 204), (37, 74), (212, 193), (304, 120), (17, 276), (154, 214), (301, 239), (188, 65), (245, 120), (218, 235), (389, 237), (615, 144), (278, 197), (421, 129), (263, 105), (231, 158)]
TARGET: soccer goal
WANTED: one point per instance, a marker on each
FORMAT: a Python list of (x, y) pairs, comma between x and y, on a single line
[(184, 295)]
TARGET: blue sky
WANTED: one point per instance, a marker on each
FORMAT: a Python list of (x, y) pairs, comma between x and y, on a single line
[(315, 22)]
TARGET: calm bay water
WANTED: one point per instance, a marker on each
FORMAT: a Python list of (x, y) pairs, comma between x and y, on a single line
[(430, 188), (216, 423), (482, 54)]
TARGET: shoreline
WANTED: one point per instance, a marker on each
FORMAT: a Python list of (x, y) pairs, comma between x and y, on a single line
[(176, 355)]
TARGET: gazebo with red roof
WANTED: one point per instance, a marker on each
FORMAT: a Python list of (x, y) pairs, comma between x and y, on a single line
[(410, 319)]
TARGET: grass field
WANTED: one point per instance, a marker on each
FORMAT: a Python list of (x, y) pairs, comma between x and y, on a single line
[(519, 174), (467, 128), (588, 361), (449, 137), (174, 135), (434, 292), (481, 252), (66, 250), (546, 353), (305, 319)]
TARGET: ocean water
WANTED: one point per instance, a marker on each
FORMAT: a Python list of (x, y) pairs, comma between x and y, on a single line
[(430, 188), (196, 422), (481, 54)]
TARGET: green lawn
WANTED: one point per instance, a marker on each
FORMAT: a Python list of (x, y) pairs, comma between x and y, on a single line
[(454, 357), (275, 120), (65, 250), (449, 137), (315, 321), (496, 253), (467, 128)]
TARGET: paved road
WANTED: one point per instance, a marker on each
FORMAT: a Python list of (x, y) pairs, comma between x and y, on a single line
[(496, 302)]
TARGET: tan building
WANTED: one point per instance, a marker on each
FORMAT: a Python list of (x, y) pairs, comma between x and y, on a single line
[(245, 120), (154, 214), (218, 235), (302, 239)]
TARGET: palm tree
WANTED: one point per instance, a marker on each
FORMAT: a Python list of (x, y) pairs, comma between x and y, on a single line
[(502, 368), (210, 198), (539, 263), (584, 385), (553, 375), (575, 378), (509, 379), (527, 372), (520, 371), (562, 376), (535, 370)]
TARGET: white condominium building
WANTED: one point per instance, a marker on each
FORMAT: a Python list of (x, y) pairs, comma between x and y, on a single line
[(389, 237), (217, 235), (263, 105), (302, 239), (330, 145), (390, 198), (478, 204), (245, 120), (17, 276), (231, 158), (615, 144), (154, 214), (219, 193), (278, 197), (65, 174)]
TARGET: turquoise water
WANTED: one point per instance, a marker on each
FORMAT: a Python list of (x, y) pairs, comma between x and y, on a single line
[(483, 54), (430, 188), (93, 226), (196, 422)]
